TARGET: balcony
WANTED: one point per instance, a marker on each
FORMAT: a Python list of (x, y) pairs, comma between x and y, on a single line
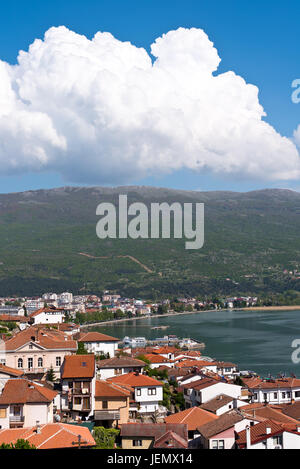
[(107, 415), (16, 421), (16, 418)]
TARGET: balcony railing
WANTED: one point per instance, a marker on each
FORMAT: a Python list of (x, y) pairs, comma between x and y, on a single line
[(107, 415), (16, 418)]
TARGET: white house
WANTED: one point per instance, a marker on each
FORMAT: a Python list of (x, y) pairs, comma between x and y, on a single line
[(203, 390), (274, 391), (23, 403), (78, 374), (66, 297), (148, 392), (221, 433), (48, 315), (269, 435), (99, 344)]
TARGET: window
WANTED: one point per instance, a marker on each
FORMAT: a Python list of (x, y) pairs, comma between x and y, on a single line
[(104, 405), (17, 410), (137, 443), (77, 400), (58, 361), (255, 396), (297, 393), (283, 395), (118, 371), (40, 362), (30, 363), (288, 394), (2, 413), (20, 363), (277, 440), (151, 391), (138, 391), (275, 395), (217, 444), (265, 396)]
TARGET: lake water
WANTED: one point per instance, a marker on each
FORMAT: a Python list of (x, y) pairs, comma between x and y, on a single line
[(256, 341)]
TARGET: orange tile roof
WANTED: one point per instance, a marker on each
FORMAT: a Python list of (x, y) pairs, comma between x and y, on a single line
[(165, 350), (49, 339), (96, 337), (78, 366), (194, 363), (193, 417), (10, 371), (135, 380), (23, 391), (105, 389), (258, 383), (267, 412), (188, 353), (153, 358), (51, 436)]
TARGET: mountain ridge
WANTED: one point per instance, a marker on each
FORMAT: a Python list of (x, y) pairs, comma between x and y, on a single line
[(251, 238)]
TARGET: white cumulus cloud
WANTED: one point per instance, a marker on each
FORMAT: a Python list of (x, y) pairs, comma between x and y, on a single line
[(105, 111)]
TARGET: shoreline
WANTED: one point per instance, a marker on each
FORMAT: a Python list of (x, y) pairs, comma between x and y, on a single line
[(251, 308)]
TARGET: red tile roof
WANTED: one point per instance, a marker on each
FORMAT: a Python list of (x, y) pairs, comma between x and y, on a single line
[(222, 423), (135, 380), (160, 432), (78, 366), (192, 363), (13, 318), (193, 417), (153, 358), (267, 412), (46, 338), (200, 384), (258, 383), (10, 371), (105, 389), (96, 337), (259, 433), (23, 391), (51, 436), (120, 362)]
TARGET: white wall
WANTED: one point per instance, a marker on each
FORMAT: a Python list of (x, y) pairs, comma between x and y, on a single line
[(219, 388), (102, 347), (148, 403)]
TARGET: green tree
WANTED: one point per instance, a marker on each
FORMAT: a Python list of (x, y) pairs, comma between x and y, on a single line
[(105, 437), (50, 375), (19, 444), (81, 350)]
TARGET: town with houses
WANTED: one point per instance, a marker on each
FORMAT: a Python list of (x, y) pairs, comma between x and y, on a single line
[(63, 386)]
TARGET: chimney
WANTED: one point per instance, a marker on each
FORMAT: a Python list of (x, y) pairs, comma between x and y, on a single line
[(298, 428), (38, 427), (248, 437), (268, 430)]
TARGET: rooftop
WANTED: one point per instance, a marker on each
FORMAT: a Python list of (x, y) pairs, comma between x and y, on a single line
[(193, 417), (23, 391), (51, 436), (78, 366)]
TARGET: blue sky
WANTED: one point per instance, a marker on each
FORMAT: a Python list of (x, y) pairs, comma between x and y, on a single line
[(257, 39)]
